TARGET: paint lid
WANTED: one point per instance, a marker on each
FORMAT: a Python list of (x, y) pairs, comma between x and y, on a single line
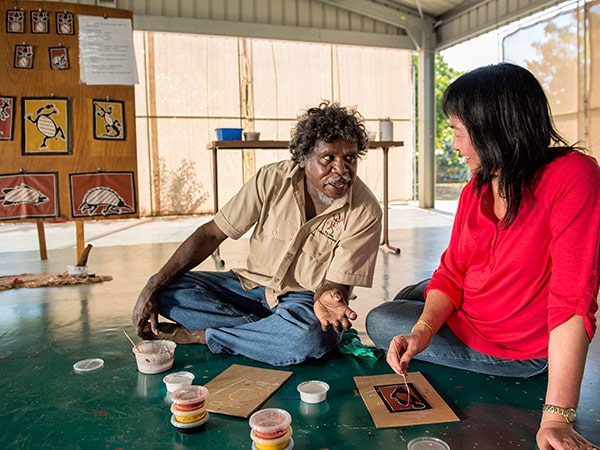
[(189, 395), (427, 443), (88, 365)]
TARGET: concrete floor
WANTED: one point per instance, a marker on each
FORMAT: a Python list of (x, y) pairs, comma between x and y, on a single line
[(45, 330)]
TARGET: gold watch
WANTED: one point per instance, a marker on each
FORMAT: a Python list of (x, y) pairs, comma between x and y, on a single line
[(569, 414)]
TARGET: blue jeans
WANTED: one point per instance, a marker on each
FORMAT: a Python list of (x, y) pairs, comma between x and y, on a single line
[(398, 317), (240, 322)]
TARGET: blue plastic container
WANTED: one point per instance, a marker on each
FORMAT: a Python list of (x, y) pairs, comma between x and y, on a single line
[(229, 134)]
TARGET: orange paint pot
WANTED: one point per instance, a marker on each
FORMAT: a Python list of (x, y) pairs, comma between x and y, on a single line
[(189, 398)]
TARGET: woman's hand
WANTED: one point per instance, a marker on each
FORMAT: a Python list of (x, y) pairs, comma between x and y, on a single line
[(404, 347), (331, 308), (558, 435)]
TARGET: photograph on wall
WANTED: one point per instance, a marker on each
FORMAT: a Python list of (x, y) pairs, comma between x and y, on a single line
[(59, 58), (109, 119), (46, 126), (23, 56), (15, 21), (28, 195), (7, 118), (100, 194), (40, 21), (65, 23)]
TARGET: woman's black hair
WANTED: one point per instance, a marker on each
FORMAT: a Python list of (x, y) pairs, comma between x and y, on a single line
[(328, 122), (507, 115)]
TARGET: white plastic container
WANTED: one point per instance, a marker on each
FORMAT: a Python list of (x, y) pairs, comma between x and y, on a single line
[(154, 356), (313, 391), (176, 380), (77, 271)]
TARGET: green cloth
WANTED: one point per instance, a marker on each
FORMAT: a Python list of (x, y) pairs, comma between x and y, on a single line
[(351, 345)]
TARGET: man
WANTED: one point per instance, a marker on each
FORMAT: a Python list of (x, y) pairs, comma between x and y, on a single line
[(316, 232)]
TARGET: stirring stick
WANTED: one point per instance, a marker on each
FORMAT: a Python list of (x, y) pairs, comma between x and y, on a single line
[(127, 336)]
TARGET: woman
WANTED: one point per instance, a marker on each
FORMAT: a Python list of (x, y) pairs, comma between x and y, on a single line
[(515, 293)]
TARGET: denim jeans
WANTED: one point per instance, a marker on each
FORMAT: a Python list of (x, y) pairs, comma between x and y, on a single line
[(240, 322), (398, 317)]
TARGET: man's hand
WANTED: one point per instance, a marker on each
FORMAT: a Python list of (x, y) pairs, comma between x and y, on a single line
[(331, 308), (146, 310)]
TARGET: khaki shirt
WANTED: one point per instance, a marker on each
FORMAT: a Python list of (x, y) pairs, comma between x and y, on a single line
[(287, 253)]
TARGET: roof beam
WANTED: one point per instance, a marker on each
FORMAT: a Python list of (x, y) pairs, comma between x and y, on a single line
[(401, 18)]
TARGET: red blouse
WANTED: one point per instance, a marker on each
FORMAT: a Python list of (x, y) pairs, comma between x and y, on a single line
[(511, 286)]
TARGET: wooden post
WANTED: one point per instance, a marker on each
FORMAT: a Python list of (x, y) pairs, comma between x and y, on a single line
[(80, 237), (42, 239)]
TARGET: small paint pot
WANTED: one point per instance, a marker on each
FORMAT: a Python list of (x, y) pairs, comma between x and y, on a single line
[(77, 271), (189, 428), (176, 380), (270, 423), (278, 443), (427, 443), (289, 445), (188, 416), (189, 398), (313, 391), (154, 356)]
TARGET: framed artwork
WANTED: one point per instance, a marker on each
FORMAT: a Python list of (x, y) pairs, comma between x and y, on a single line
[(46, 126), (65, 23), (28, 195), (59, 58), (109, 120), (23, 56), (101, 194), (7, 118), (15, 21), (40, 21)]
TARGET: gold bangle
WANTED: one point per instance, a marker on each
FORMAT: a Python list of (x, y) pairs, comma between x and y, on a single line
[(427, 323)]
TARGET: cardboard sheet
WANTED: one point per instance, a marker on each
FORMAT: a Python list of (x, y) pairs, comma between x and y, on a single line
[(241, 390), (390, 405)]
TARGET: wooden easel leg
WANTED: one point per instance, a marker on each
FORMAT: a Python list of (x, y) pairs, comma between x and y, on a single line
[(42, 239), (80, 237)]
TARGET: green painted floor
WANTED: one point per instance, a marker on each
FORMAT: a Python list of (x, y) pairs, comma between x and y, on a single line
[(45, 331)]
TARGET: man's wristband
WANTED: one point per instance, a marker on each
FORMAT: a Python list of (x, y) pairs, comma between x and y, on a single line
[(427, 324)]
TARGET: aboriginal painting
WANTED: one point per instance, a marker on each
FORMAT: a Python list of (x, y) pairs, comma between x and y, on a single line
[(109, 119), (28, 195), (102, 194), (46, 126), (7, 118)]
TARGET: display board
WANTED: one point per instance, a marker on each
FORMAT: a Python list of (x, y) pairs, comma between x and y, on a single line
[(68, 147)]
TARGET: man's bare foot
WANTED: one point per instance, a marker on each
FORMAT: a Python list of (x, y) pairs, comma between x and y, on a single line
[(176, 333)]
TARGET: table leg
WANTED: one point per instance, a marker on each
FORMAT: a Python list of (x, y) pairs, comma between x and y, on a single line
[(216, 254), (385, 239)]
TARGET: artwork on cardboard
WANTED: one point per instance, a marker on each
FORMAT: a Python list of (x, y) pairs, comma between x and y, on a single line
[(28, 195), (101, 194), (65, 23), (15, 21), (40, 21), (389, 404), (241, 390), (23, 56), (7, 118), (59, 58), (109, 119), (46, 126)]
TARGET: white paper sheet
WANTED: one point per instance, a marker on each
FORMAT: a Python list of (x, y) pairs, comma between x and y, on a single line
[(106, 53)]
